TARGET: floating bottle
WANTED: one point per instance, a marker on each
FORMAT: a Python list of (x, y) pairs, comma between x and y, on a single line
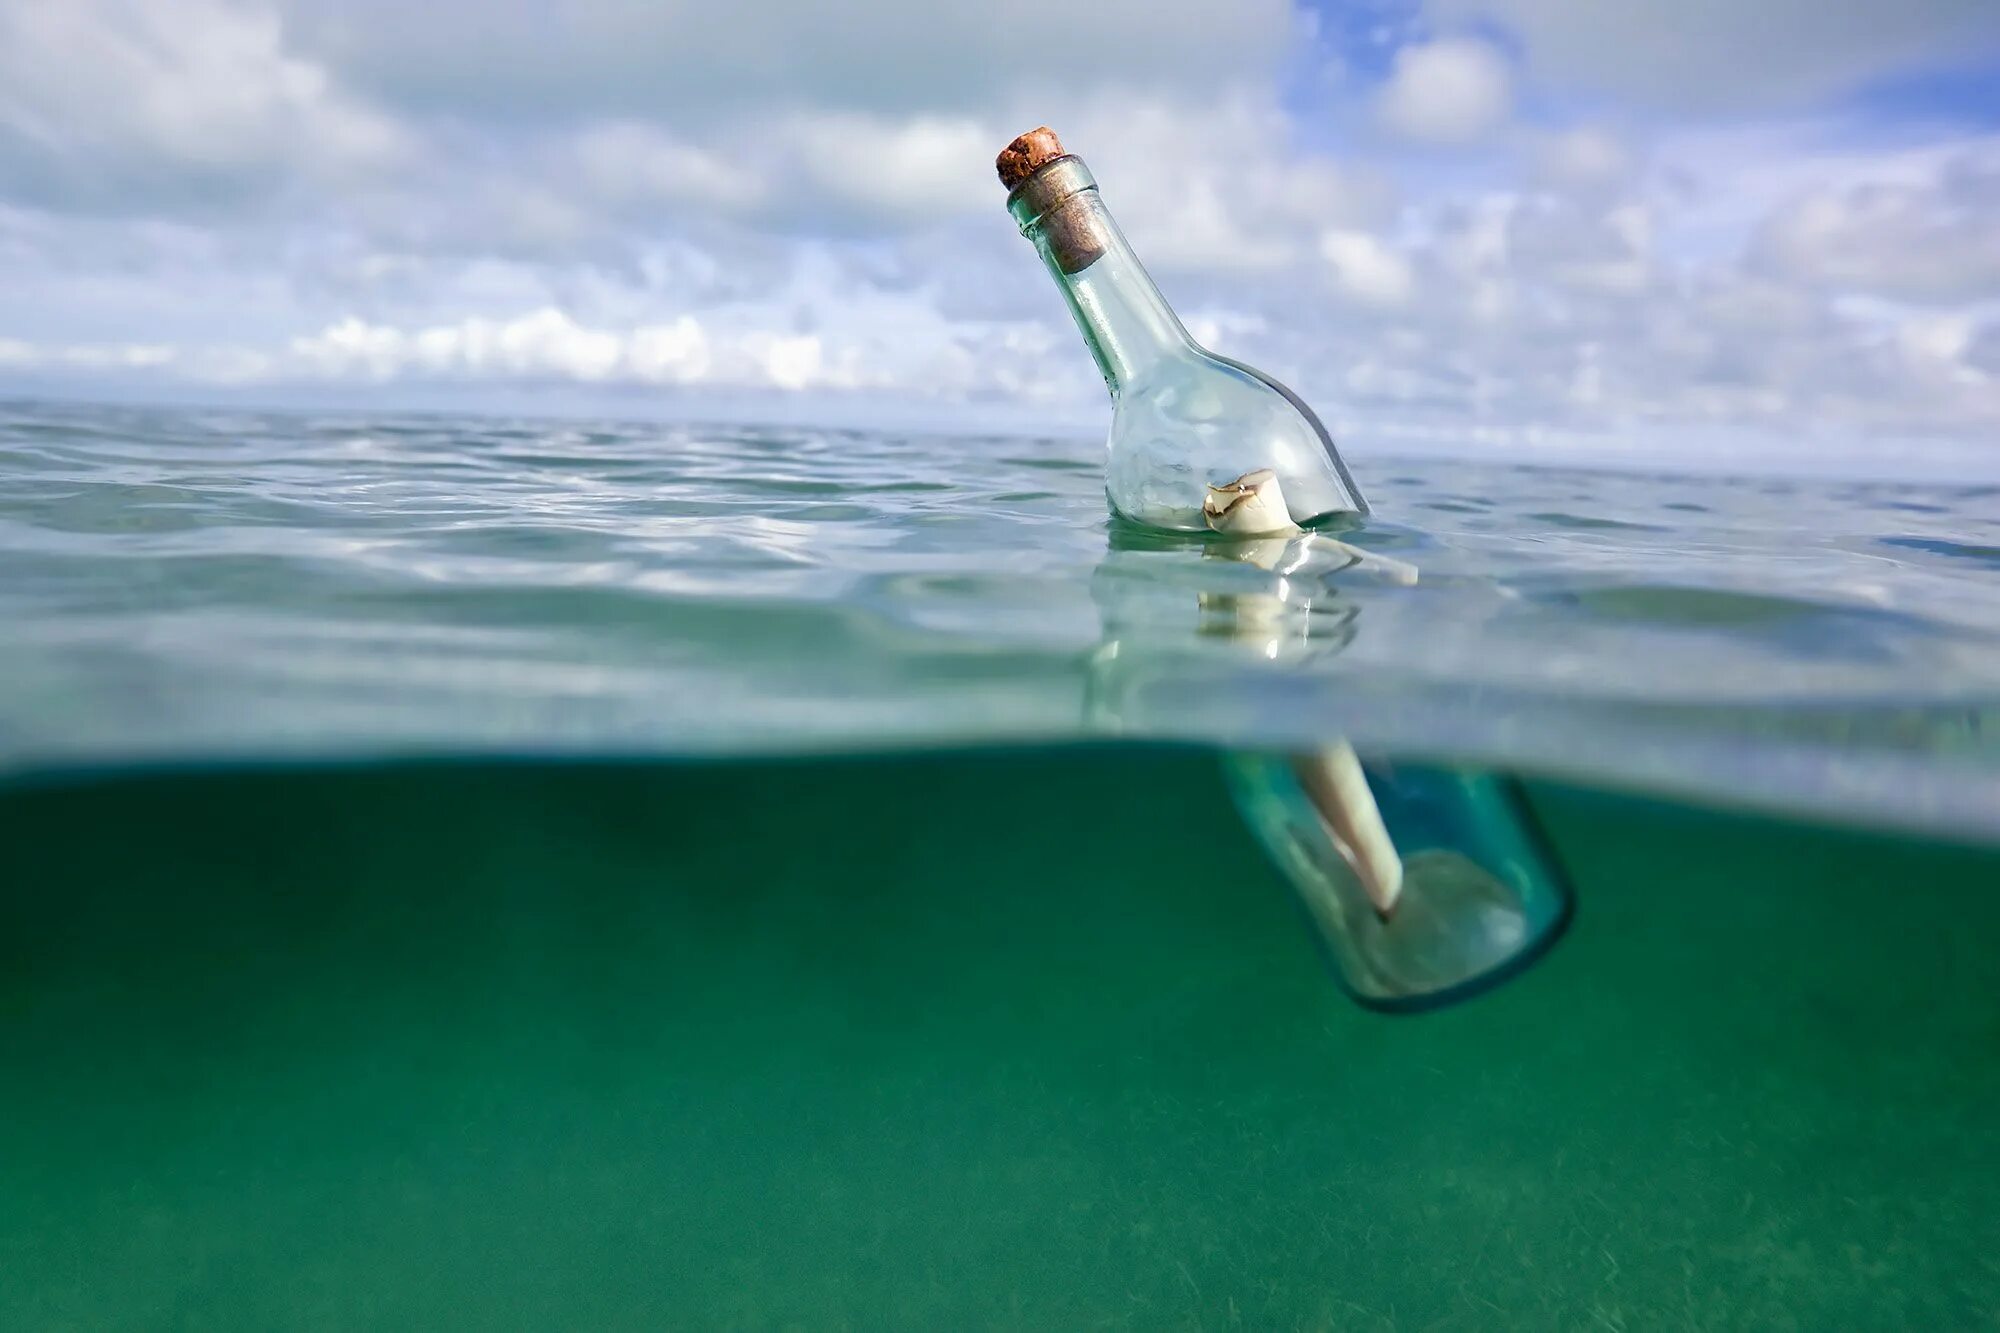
[(1427, 883), (1186, 424)]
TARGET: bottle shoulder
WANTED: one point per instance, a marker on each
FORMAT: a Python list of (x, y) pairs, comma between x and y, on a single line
[(1204, 393)]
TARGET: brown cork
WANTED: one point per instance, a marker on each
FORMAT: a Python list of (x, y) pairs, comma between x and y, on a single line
[(1074, 232), (1028, 155)]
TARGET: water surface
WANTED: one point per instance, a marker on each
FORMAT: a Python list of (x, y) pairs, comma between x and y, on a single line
[(188, 583)]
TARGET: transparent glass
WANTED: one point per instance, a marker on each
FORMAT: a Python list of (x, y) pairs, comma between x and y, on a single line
[(1480, 896), (1426, 883), (1183, 418)]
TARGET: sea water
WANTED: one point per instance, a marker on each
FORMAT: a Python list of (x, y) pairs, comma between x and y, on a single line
[(488, 873)]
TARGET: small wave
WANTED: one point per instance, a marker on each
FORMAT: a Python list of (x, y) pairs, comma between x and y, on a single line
[(1592, 522), (1982, 555)]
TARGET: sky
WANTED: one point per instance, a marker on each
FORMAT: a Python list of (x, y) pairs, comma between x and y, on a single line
[(1731, 227)]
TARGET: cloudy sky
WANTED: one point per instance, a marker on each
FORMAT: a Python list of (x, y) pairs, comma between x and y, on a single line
[(1720, 224)]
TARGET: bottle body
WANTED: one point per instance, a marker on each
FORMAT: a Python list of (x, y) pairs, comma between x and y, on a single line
[(1196, 422), (1480, 897), (1183, 419)]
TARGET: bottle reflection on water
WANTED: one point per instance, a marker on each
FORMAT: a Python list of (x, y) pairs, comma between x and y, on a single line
[(1426, 883)]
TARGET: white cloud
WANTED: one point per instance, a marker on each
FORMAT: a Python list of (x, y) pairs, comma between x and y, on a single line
[(1452, 91), (21, 354), (796, 169), (798, 201), (626, 160), (1584, 160), (1936, 341), (1981, 354), (1723, 55), (918, 167), (1366, 269), (1579, 248), (695, 62), (551, 345), (544, 344), (1932, 240), (1218, 188), (789, 362), (817, 332), (122, 101)]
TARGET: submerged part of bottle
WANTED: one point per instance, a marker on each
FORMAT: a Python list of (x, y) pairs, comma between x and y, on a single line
[(1427, 884), (1184, 419), (1475, 896)]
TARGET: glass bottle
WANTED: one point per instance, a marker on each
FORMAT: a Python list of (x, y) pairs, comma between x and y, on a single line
[(1187, 425)]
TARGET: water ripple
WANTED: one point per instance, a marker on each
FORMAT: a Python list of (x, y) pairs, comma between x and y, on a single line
[(198, 582)]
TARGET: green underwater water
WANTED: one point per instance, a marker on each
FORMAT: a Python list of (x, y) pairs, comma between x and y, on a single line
[(1026, 1038)]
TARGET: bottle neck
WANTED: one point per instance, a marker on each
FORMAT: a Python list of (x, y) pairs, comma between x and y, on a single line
[(1126, 323)]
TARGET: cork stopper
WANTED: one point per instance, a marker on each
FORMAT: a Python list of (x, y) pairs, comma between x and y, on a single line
[(1027, 155), (1052, 195)]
